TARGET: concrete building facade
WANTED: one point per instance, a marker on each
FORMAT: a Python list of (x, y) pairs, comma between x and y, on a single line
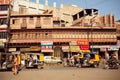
[(44, 34), (60, 32), (4, 13), (65, 12)]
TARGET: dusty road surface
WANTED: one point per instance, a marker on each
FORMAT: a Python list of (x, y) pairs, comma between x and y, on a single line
[(62, 73)]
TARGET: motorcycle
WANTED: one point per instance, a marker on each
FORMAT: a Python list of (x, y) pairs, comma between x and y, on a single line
[(111, 64)]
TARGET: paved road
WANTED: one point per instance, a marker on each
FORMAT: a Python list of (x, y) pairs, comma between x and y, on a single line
[(63, 73)]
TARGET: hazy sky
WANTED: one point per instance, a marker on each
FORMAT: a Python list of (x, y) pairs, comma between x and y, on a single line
[(104, 6)]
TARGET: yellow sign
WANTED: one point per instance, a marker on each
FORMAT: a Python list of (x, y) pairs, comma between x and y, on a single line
[(34, 48), (74, 48)]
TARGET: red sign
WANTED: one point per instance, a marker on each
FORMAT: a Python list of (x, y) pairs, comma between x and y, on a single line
[(82, 42), (5, 1), (84, 48)]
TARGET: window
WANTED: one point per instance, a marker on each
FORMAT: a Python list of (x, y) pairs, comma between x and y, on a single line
[(56, 24), (4, 7), (31, 20), (75, 17), (15, 21), (3, 35), (3, 21)]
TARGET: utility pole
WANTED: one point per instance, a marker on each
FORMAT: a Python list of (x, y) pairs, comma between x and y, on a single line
[(8, 30), (92, 32)]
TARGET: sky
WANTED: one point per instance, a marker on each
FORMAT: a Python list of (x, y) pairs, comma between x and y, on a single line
[(104, 6)]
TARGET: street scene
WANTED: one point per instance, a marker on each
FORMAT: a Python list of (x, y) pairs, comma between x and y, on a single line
[(63, 73), (59, 40)]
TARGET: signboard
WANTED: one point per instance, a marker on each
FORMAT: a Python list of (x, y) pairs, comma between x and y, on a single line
[(16, 52), (24, 49), (12, 49), (84, 47), (113, 48), (65, 48), (82, 42), (34, 48), (5, 1), (73, 43), (74, 48), (46, 43), (46, 46)]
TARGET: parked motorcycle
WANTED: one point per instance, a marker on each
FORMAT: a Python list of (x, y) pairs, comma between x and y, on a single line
[(112, 64)]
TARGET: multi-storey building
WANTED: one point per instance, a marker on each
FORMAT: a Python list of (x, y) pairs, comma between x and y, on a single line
[(43, 33), (118, 36), (4, 12), (65, 12), (57, 31)]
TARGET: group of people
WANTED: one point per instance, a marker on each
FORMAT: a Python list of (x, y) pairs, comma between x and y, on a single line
[(111, 61), (71, 61)]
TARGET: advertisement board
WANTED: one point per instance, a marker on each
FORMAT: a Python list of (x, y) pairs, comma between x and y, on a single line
[(113, 48), (74, 48), (34, 48), (82, 42), (46, 46), (84, 47), (65, 48)]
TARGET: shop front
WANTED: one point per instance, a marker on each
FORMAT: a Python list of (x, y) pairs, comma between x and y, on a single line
[(113, 50), (66, 50)]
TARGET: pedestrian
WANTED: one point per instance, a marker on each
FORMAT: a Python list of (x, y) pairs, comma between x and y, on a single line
[(107, 56), (15, 65)]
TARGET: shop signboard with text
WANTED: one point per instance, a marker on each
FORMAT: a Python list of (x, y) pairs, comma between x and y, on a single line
[(82, 42), (113, 48), (46, 46)]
